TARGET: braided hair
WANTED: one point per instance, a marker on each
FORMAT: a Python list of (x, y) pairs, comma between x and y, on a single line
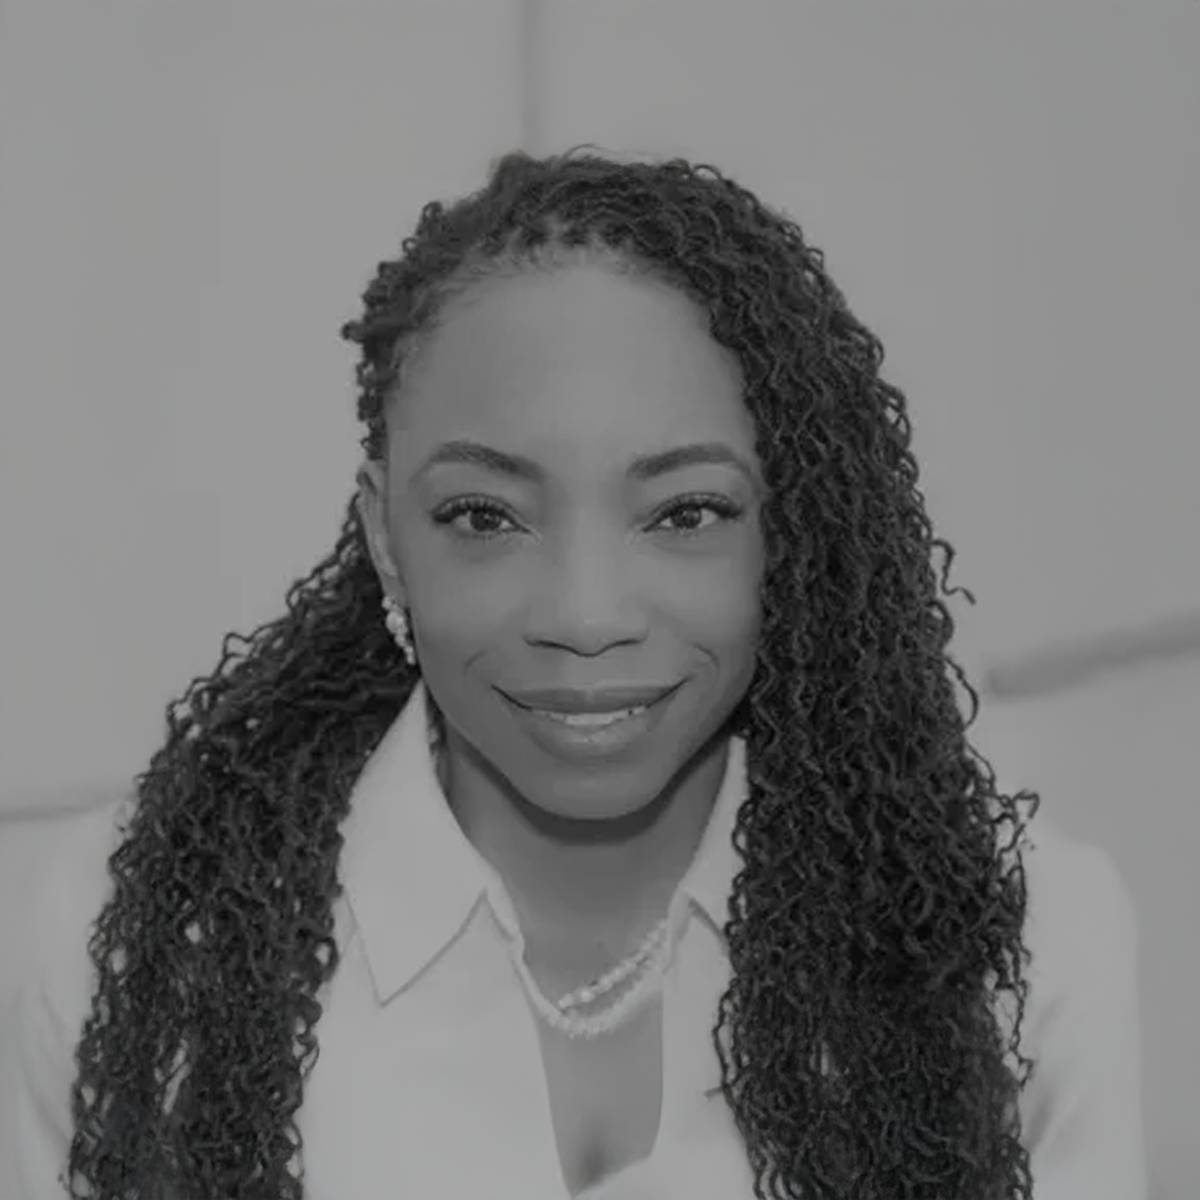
[(875, 923)]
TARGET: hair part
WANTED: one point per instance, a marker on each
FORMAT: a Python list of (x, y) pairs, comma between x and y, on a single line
[(868, 1036)]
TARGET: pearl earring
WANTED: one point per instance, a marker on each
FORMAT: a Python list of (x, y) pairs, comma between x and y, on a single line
[(397, 625)]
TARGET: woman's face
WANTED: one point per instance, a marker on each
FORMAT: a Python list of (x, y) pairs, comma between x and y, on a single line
[(578, 571)]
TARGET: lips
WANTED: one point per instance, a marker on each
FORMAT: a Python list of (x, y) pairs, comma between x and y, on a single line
[(573, 701), (603, 734)]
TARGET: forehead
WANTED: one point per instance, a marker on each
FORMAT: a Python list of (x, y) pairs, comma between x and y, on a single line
[(580, 364)]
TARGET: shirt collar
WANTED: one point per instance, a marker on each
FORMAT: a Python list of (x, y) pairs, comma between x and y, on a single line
[(413, 878)]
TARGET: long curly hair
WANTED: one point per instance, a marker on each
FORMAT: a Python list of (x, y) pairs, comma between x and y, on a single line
[(876, 920)]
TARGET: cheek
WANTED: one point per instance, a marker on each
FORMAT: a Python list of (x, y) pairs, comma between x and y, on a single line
[(743, 626), (457, 617), (445, 608), (729, 608), (457, 613), (751, 605)]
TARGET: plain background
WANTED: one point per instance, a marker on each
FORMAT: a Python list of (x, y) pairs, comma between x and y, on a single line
[(193, 198)]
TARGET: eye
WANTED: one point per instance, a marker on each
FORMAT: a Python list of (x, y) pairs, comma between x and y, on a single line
[(466, 507), (474, 506), (726, 510)]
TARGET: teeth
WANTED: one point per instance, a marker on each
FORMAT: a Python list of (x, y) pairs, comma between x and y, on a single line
[(593, 720)]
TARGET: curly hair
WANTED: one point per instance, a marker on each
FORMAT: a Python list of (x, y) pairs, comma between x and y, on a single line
[(877, 915)]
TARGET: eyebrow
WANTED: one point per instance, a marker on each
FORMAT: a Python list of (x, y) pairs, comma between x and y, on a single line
[(644, 467)]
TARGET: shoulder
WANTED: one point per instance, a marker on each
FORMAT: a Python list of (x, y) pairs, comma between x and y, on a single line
[(65, 902), (1082, 937), (53, 996), (1081, 1109), (1080, 923)]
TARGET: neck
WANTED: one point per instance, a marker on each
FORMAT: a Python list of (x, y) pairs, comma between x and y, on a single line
[(585, 883)]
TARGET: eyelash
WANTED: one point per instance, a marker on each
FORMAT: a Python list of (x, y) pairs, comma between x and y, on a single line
[(726, 509)]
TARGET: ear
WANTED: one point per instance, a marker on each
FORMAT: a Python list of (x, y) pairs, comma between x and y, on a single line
[(372, 511)]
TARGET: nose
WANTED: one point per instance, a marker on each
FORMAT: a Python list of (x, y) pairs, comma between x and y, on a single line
[(586, 596)]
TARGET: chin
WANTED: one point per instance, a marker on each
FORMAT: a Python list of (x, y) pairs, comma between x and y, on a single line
[(593, 811), (622, 801)]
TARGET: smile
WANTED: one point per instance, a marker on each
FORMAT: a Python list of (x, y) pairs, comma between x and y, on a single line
[(591, 720), (588, 737)]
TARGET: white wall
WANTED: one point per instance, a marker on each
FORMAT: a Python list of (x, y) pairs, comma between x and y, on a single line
[(191, 201)]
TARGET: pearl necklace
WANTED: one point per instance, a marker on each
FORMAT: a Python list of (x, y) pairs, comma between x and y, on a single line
[(652, 955)]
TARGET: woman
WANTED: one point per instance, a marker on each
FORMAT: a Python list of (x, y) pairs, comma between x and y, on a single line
[(601, 810)]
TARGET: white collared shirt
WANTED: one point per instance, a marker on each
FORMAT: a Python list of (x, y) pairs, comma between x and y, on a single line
[(429, 1081)]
